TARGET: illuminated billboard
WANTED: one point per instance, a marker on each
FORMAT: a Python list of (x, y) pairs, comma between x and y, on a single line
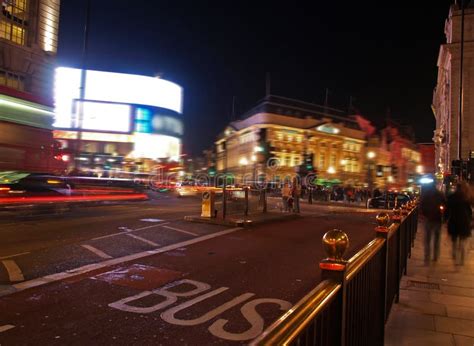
[(115, 94), (110, 117), (156, 146)]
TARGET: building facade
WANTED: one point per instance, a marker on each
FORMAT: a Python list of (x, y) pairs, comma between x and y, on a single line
[(28, 45), (446, 94), (279, 136)]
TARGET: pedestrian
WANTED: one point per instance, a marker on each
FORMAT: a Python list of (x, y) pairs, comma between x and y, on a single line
[(432, 202), (459, 215), (285, 196), (295, 194)]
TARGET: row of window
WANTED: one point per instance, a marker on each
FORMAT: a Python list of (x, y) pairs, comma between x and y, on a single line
[(13, 21), (12, 32), (12, 80)]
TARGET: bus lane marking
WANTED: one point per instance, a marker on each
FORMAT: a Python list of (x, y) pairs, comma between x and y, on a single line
[(143, 240), (96, 251), (217, 328), (14, 272)]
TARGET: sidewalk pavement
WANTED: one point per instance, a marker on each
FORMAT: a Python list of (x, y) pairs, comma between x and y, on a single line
[(436, 304)]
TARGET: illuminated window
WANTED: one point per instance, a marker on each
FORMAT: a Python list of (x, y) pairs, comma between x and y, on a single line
[(322, 160), (288, 161), (109, 148), (12, 80), (333, 160), (13, 22)]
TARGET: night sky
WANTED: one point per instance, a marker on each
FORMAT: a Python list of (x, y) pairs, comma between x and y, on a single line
[(383, 54)]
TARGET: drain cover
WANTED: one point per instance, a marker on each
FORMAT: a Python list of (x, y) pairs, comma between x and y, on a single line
[(423, 284)]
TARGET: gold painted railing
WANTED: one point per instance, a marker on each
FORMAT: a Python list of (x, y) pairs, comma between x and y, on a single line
[(352, 303)]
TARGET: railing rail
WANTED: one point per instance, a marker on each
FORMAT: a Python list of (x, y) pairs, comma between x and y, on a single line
[(352, 303)]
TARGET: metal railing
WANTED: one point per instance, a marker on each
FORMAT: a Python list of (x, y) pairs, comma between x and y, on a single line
[(240, 201), (352, 303)]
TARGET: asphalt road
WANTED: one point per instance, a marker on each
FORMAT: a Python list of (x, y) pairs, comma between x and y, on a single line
[(139, 274)]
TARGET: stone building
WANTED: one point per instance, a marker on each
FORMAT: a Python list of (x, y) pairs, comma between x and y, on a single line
[(279, 136), (446, 94), (28, 45)]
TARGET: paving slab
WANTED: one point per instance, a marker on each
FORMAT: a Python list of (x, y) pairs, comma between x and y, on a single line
[(436, 305)]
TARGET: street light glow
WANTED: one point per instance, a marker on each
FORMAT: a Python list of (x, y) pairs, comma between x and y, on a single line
[(370, 155), (331, 170), (243, 161)]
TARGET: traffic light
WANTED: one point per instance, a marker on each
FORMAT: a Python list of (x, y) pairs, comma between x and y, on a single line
[(470, 169), (456, 167), (309, 162)]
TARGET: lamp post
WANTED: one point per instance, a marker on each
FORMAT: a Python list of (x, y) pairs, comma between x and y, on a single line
[(243, 162), (82, 88), (343, 163), (370, 156)]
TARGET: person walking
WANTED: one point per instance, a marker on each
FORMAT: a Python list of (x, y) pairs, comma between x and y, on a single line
[(295, 194), (285, 196), (459, 215), (432, 201)]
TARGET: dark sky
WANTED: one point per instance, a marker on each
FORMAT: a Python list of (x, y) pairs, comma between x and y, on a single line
[(381, 53)]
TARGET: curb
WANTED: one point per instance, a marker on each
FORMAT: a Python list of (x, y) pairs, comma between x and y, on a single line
[(241, 222)]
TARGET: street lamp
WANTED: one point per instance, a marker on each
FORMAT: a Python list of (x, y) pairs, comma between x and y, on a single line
[(371, 156), (343, 163), (243, 162)]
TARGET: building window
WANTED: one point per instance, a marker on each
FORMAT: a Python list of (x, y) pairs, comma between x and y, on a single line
[(296, 160), (12, 32), (288, 161), (12, 80), (333, 160), (109, 148), (13, 21), (322, 160)]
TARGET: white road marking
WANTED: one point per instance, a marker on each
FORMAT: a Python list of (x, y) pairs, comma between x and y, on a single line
[(143, 239), (96, 251), (6, 327), (126, 230), (147, 227), (15, 255), (181, 230), (250, 313), (109, 235), (14, 272), (152, 220), (169, 317), (90, 267)]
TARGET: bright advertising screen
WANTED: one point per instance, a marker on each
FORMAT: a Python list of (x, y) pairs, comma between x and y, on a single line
[(109, 87), (156, 146), (111, 117)]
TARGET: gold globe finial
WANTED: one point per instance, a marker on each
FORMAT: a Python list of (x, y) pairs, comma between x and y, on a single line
[(383, 219), (335, 243)]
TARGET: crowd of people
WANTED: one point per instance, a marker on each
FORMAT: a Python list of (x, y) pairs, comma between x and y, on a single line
[(453, 208)]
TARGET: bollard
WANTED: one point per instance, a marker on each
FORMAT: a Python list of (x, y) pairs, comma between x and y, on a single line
[(310, 196), (246, 191)]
